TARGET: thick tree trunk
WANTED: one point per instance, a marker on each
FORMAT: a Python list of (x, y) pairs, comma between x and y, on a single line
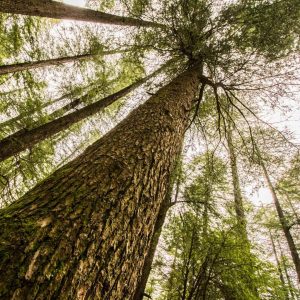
[(24, 139), (283, 221), (237, 194), (85, 231), (59, 10), (6, 69)]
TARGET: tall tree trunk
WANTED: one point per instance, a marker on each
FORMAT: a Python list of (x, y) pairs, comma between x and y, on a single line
[(59, 10), (56, 113), (283, 221), (84, 232), (239, 208), (285, 268), (289, 201), (278, 266), (187, 267), (238, 198), (6, 69), (24, 139), (13, 121), (71, 105)]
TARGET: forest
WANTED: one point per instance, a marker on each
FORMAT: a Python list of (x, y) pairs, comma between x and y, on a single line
[(150, 149)]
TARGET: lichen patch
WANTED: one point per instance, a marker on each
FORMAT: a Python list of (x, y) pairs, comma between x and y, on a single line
[(44, 222), (30, 270)]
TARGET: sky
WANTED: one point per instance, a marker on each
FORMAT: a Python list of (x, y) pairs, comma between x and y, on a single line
[(75, 2)]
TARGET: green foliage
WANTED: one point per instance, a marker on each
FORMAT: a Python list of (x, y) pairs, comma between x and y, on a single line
[(210, 181), (214, 266), (289, 183), (202, 254), (270, 27)]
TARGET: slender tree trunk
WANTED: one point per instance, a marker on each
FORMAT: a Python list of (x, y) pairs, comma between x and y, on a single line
[(239, 206), (13, 121), (71, 105), (6, 69), (57, 113), (200, 282), (237, 193), (84, 98), (84, 232), (278, 266), (296, 215), (285, 268), (59, 10), (282, 219), (187, 267), (24, 139)]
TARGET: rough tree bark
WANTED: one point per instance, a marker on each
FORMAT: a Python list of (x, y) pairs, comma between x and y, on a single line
[(283, 221), (84, 232), (6, 69), (166, 205), (24, 139), (141, 286), (59, 10)]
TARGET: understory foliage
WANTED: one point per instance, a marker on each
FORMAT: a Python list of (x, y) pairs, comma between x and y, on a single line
[(201, 254), (247, 55)]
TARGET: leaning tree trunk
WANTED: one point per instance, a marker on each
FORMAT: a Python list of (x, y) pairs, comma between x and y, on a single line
[(56, 113), (14, 121), (59, 10), (6, 69), (24, 139), (281, 277), (285, 268), (283, 221), (84, 232)]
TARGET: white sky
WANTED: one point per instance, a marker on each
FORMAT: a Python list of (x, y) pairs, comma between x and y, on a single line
[(75, 2)]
